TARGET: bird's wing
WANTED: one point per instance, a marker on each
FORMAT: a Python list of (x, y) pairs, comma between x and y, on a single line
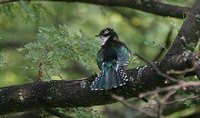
[(100, 56), (123, 55)]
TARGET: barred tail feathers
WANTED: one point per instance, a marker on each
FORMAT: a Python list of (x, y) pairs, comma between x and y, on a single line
[(110, 77)]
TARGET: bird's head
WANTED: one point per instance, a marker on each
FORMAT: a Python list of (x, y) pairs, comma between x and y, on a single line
[(107, 34)]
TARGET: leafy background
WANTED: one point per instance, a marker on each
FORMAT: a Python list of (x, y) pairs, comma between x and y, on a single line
[(60, 36)]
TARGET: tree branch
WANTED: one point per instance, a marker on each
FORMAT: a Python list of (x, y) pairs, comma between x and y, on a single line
[(149, 6), (189, 32), (56, 112), (129, 105), (167, 45), (77, 93), (12, 43)]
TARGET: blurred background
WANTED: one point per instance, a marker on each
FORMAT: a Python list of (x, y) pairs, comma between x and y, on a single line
[(20, 23)]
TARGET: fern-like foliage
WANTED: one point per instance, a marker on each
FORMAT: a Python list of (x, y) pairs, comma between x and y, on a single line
[(2, 61), (28, 12), (56, 45)]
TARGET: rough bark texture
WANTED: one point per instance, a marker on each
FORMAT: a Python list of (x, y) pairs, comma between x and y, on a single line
[(149, 6), (77, 93), (189, 32), (38, 95)]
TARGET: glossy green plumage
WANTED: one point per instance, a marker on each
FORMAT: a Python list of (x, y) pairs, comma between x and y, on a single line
[(123, 55), (112, 60)]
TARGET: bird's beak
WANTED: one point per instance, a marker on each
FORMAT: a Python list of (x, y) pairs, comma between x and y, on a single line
[(97, 35)]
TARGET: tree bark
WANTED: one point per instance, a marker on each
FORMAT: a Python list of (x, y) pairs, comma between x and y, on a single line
[(150, 6), (77, 93)]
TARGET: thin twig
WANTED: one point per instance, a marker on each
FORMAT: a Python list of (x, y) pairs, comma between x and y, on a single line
[(157, 70), (47, 74), (183, 71), (171, 102), (159, 109), (167, 44), (168, 95), (181, 100), (61, 77), (57, 113), (122, 100), (181, 85), (40, 72), (161, 104)]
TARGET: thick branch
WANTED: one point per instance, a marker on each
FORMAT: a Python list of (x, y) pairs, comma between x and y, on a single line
[(77, 93), (188, 35), (149, 6), (12, 43)]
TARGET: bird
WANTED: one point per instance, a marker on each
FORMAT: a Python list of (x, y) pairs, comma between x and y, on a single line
[(112, 60)]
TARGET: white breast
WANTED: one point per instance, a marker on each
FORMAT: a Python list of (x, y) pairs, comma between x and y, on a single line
[(103, 40)]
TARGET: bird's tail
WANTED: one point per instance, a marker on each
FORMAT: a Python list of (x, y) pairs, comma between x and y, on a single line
[(111, 76)]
